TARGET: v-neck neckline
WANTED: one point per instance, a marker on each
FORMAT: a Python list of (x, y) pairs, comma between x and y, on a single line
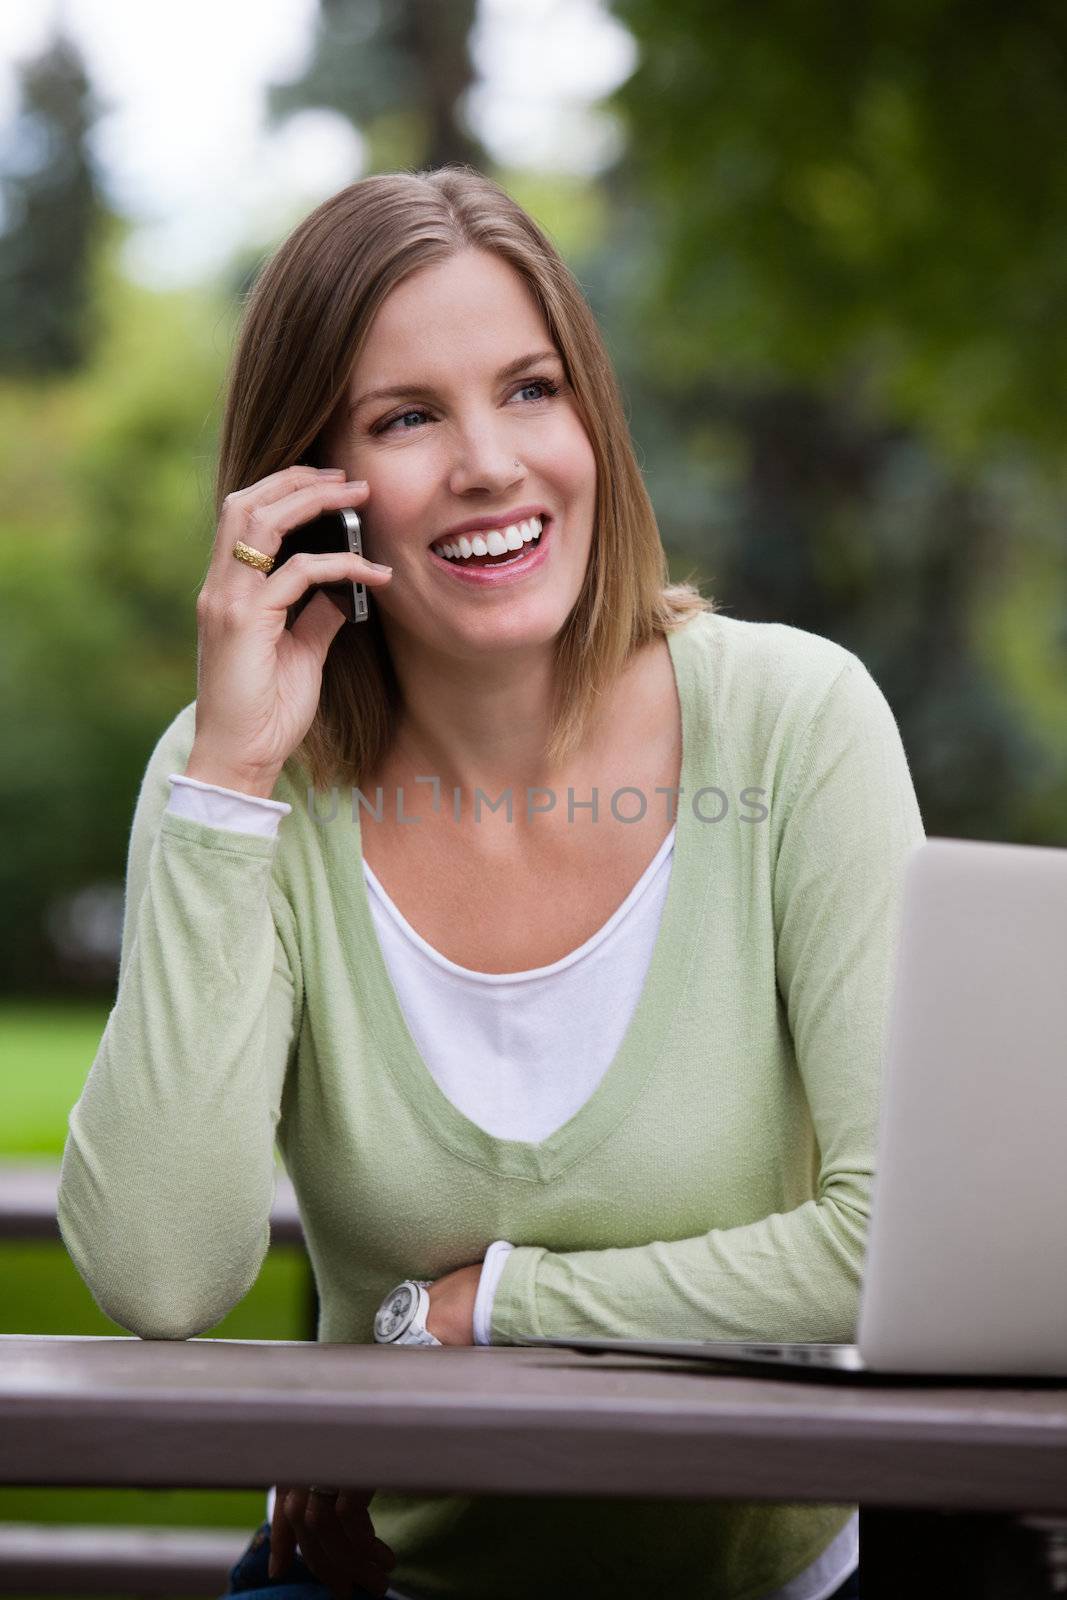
[(647, 1036)]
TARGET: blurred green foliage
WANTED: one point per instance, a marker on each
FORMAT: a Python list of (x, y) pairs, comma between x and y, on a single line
[(104, 538), (833, 272), (874, 189), (52, 216)]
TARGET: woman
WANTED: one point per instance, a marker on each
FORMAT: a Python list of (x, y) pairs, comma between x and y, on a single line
[(612, 1055)]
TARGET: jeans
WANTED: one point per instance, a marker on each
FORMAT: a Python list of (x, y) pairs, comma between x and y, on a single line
[(249, 1577)]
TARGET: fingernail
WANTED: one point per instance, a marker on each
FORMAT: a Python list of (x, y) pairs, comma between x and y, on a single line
[(379, 566), (333, 472)]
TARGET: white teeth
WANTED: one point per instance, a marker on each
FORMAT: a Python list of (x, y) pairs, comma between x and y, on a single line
[(492, 543)]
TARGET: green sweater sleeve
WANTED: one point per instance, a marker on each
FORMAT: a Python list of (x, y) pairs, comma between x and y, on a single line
[(849, 821), (168, 1173)]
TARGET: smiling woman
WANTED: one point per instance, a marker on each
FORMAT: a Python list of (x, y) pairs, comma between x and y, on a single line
[(485, 430), (421, 331), (553, 1074)]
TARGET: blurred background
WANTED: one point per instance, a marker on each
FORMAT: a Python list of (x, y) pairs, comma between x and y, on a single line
[(827, 248)]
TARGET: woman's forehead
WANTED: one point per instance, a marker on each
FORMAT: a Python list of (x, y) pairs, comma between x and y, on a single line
[(472, 296)]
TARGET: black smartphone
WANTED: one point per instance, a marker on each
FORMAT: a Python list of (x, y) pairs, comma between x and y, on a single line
[(333, 530)]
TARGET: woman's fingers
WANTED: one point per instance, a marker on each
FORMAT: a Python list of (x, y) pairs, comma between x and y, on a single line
[(355, 1522), (258, 684), (273, 487), (295, 1503), (239, 503), (286, 586), (337, 1541), (264, 522), (282, 1536), (324, 1562)]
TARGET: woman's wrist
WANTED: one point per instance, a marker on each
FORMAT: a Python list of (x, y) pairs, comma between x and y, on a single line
[(207, 769), (451, 1315)]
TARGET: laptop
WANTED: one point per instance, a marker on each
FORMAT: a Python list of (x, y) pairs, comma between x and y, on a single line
[(965, 1273)]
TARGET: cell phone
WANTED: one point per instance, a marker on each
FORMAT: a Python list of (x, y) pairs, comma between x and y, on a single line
[(333, 530)]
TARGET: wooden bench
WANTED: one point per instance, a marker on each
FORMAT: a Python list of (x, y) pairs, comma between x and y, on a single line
[(50, 1558), (961, 1485), (44, 1558)]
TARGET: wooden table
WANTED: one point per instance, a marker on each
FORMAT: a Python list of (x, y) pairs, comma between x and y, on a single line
[(522, 1420)]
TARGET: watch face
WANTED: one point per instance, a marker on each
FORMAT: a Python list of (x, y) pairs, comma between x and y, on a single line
[(396, 1314)]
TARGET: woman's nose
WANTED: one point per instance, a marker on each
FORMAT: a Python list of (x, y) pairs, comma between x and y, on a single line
[(485, 465)]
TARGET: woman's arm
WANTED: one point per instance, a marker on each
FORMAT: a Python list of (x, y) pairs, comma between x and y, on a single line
[(168, 1172), (849, 821)]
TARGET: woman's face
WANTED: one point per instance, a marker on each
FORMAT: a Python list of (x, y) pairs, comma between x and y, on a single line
[(457, 442)]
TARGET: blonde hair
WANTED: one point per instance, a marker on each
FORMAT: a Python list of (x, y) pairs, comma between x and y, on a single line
[(306, 319)]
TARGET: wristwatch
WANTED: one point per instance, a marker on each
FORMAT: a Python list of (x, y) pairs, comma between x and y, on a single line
[(401, 1317)]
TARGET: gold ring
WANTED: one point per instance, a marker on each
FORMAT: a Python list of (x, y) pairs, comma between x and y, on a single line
[(253, 558)]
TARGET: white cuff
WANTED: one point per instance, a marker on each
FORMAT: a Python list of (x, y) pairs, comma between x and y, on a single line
[(492, 1268), (225, 808)]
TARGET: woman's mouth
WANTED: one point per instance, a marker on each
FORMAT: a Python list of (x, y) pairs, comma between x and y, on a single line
[(495, 557)]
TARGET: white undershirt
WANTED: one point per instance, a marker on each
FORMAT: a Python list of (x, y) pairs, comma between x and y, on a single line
[(518, 1053)]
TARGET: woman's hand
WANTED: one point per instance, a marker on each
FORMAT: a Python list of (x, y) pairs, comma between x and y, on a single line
[(336, 1539), (259, 682), (451, 1314)]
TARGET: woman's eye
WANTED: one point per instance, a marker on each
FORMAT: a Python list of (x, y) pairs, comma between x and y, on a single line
[(541, 383), (550, 389), (403, 415)]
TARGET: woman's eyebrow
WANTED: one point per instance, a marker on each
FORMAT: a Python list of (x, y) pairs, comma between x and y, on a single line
[(423, 391)]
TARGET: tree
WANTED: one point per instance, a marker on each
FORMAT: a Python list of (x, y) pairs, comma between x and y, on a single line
[(877, 189), (52, 211), (836, 282), (397, 72)]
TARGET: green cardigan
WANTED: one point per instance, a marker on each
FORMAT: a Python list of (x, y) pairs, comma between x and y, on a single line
[(715, 1185)]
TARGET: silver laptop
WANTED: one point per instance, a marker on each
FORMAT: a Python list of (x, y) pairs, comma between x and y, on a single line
[(966, 1264)]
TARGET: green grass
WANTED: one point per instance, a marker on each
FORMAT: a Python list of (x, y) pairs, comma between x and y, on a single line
[(46, 1053)]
